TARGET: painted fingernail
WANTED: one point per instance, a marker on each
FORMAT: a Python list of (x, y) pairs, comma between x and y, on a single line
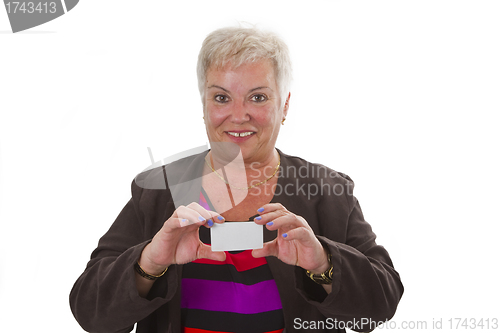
[(201, 218), (258, 218), (220, 218), (210, 223), (260, 210), (285, 235), (183, 220), (270, 223)]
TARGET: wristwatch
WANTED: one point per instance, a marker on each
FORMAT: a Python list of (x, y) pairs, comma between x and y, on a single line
[(324, 278)]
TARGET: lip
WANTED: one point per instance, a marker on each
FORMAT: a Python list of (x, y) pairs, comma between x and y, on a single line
[(239, 139)]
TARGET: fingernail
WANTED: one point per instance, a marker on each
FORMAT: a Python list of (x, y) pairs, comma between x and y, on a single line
[(285, 235), (183, 220), (220, 218), (260, 210), (201, 218), (258, 218), (270, 223), (210, 223)]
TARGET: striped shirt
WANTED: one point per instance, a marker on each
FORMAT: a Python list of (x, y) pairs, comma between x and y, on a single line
[(235, 295)]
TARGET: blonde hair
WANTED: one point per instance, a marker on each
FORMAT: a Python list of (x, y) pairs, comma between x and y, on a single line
[(240, 45)]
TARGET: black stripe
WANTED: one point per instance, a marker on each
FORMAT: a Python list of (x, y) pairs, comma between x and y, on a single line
[(205, 235), (226, 273), (233, 322)]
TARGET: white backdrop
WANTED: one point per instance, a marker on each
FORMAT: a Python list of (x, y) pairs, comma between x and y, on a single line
[(400, 95)]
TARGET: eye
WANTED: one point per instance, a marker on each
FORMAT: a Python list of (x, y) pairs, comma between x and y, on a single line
[(221, 98), (259, 98)]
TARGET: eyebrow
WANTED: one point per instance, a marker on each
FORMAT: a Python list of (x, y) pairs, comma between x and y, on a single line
[(215, 86), (263, 87), (251, 90)]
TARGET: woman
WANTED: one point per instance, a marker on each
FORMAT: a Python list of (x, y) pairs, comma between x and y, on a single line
[(319, 268)]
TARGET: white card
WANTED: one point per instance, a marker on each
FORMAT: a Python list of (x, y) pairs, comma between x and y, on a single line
[(235, 236)]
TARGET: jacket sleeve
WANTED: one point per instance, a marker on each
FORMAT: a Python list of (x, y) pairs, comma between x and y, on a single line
[(105, 298), (366, 288)]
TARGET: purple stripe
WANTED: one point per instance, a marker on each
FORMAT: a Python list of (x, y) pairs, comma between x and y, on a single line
[(203, 203), (230, 296)]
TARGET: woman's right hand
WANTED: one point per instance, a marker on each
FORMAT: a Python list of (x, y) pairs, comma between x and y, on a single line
[(178, 241)]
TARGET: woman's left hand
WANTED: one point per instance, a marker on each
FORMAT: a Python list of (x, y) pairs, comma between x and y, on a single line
[(296, 243)]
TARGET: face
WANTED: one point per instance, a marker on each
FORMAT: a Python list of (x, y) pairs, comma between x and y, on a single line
[(242, 106)]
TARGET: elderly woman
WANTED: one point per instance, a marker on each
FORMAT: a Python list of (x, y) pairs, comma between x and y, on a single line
[(319, 267)]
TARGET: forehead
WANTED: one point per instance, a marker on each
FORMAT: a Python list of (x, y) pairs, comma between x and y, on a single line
[(260, 70)]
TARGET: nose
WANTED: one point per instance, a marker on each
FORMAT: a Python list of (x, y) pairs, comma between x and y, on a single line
[(240, 112)]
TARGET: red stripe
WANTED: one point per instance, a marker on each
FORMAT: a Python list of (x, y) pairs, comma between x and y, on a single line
[(197, 330), (242, 261), (203, 202)]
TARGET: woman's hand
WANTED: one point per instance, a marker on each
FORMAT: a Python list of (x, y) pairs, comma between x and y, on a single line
[(296, 243), (178, 241)]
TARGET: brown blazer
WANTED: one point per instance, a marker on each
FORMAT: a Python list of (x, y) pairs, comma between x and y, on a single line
[(366, 288)]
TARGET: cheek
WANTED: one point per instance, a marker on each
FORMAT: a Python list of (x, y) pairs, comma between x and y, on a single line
[(216, 116), (267, 116)]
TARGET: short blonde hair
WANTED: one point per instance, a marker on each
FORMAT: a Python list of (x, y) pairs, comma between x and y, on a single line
[(242, 45)]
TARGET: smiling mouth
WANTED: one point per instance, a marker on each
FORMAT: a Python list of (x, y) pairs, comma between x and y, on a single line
[(240, 135)]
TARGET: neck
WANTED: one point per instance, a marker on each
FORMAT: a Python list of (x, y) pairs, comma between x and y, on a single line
[(243, 171), (263, 167), (239, 163)]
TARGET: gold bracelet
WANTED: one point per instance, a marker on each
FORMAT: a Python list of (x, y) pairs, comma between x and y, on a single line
[(148, 276), (324, 278)]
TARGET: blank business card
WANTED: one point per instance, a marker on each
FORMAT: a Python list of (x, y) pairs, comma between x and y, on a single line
[(236, 236)]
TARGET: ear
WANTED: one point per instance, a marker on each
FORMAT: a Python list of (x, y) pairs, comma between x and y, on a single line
[(287, 104)]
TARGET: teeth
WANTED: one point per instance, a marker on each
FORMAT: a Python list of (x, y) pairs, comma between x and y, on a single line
[(240, 134)]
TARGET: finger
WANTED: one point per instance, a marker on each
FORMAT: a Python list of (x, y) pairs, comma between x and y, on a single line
[(188, 216), (178, 222), (219, 218), (270, 207), (195, 214), (302, 235), (207, 215), (205, 251), (270, 212), (210, 222), (269, 249), (289, 221), (270, 216)]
